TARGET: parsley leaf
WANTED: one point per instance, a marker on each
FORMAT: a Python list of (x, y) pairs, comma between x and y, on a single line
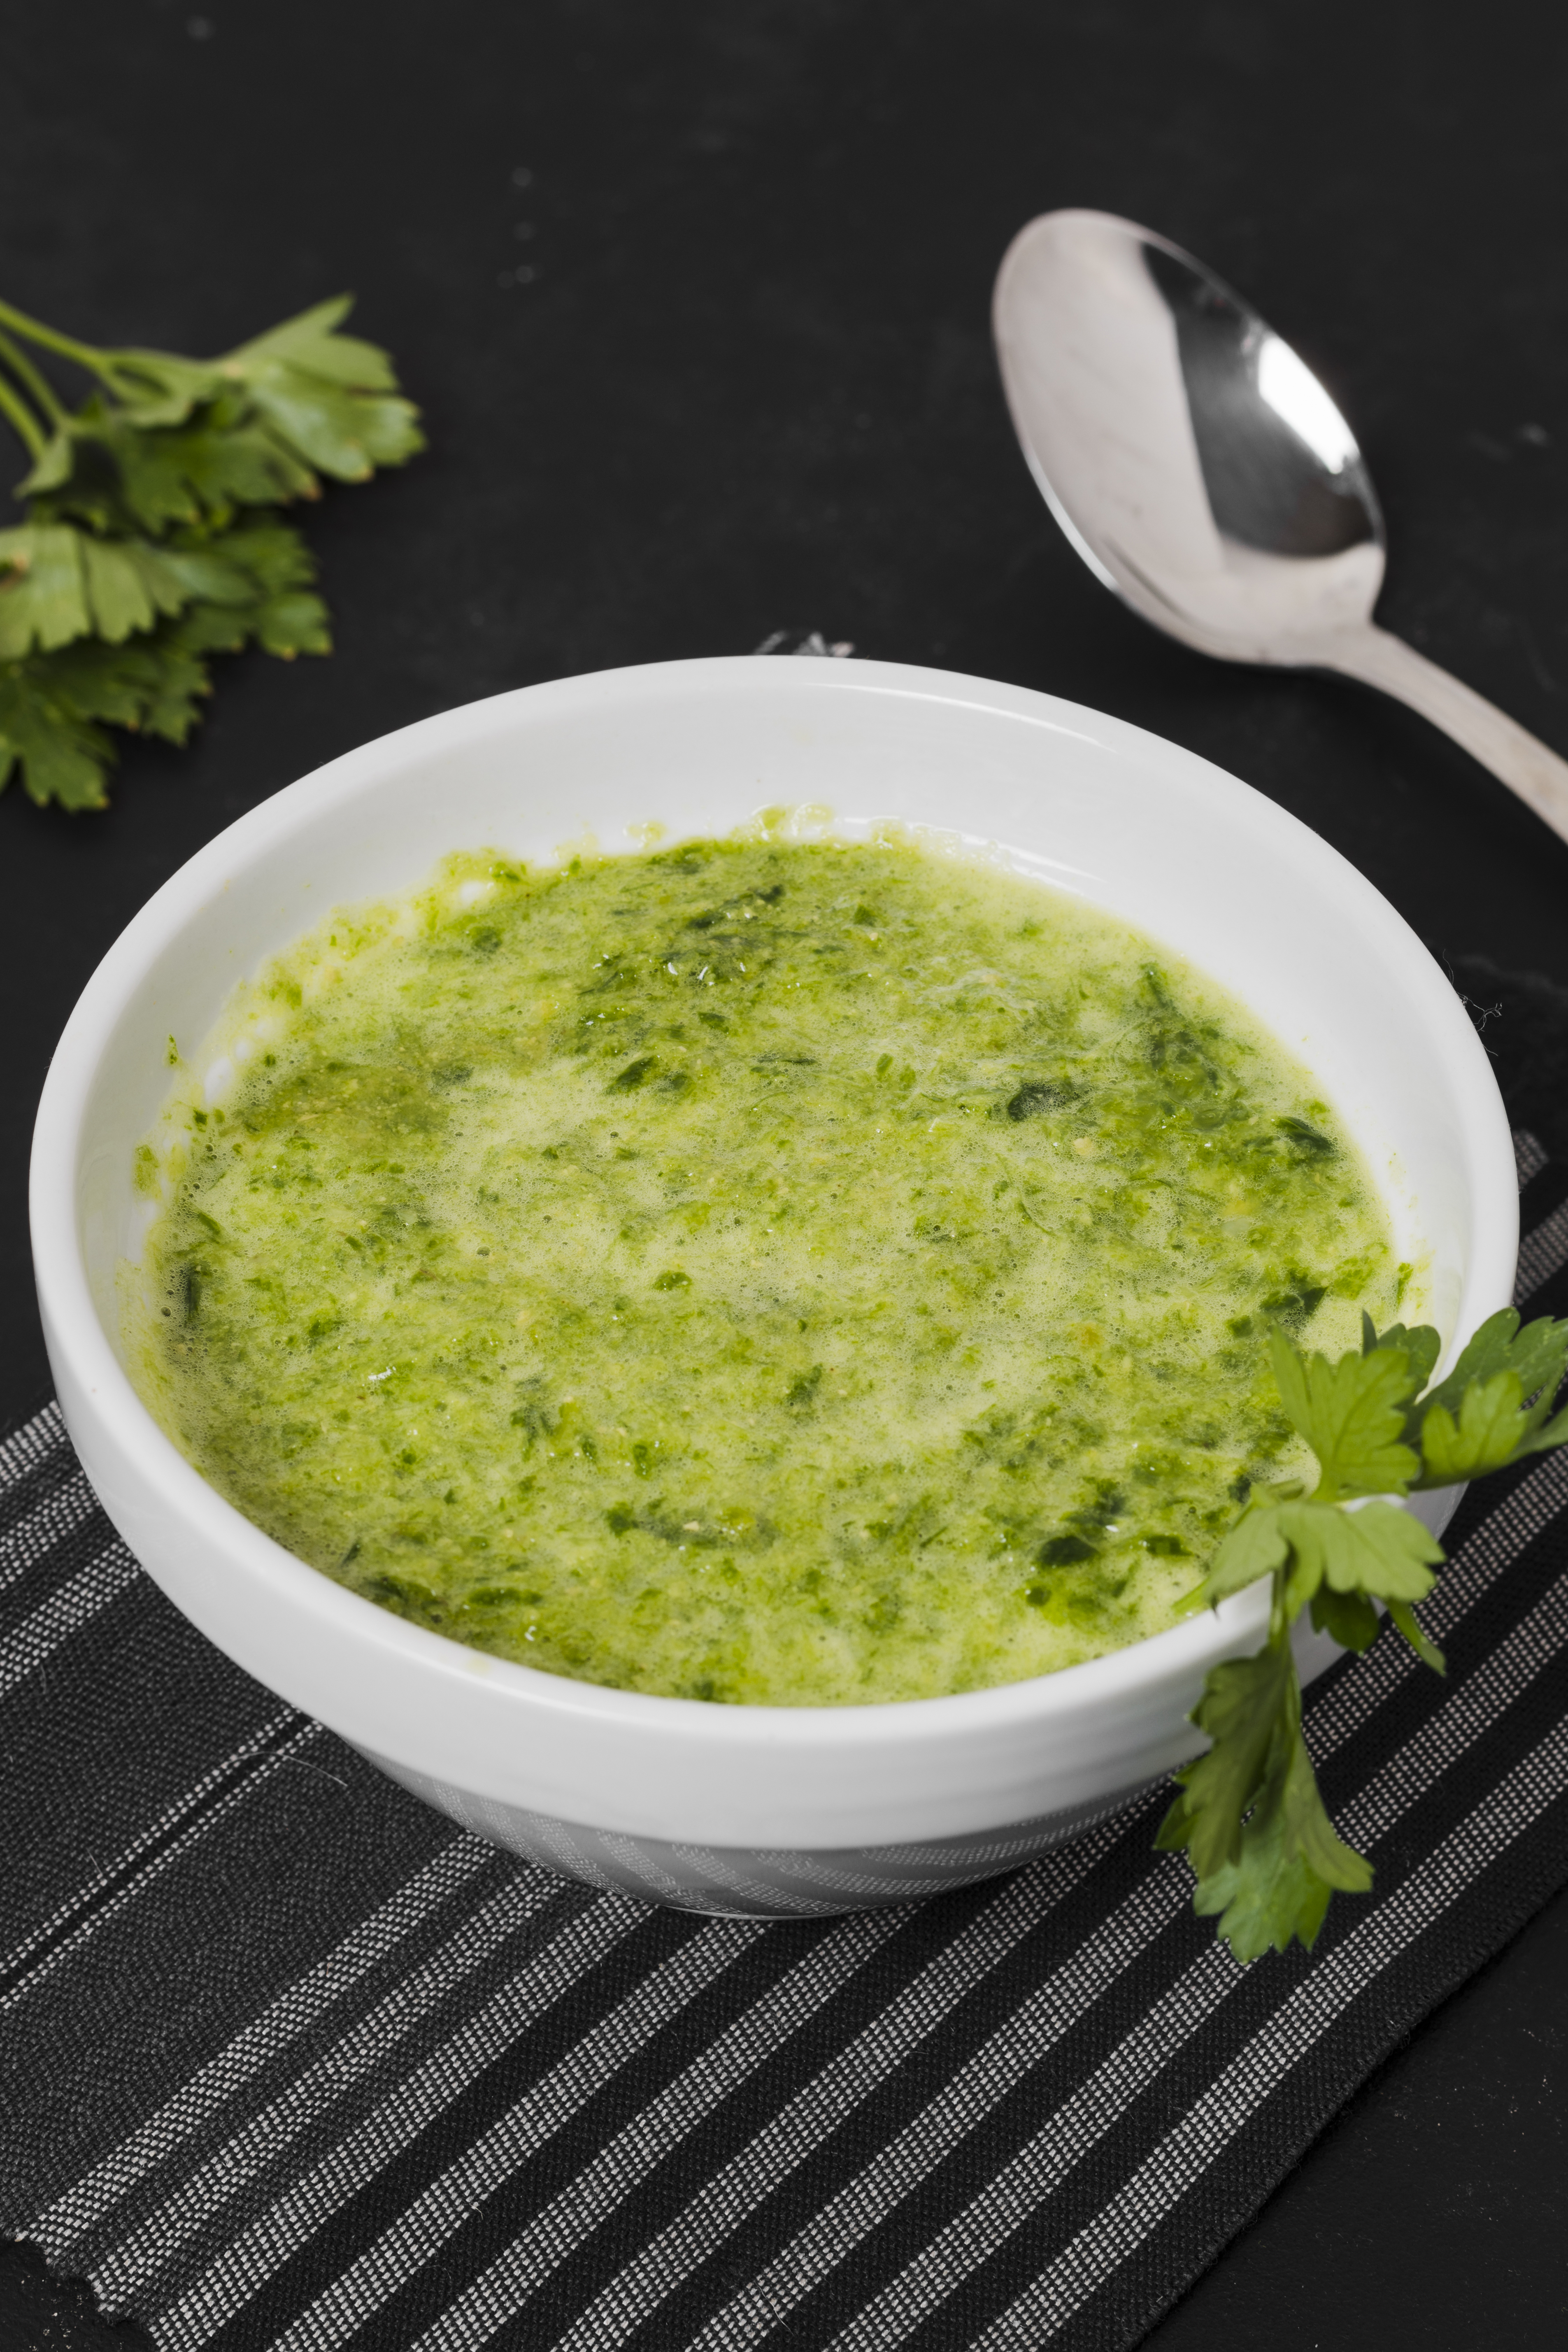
[(1266, 1854), (57, 583), (1479, 1419), (1538, 1354), (111, 472), (1379, 1550), (328, 396), (1420, 1347), (1254, 1547), (254, 586), (1291, 1861), (1240, 1711), (1349, 1618), (1352, 1414)]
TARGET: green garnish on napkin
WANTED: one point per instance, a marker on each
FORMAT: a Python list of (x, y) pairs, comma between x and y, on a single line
[(1266, 1855)]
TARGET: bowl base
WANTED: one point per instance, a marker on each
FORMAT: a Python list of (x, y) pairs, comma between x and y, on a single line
[(750, 1882)]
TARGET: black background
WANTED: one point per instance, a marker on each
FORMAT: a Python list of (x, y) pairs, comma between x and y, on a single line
[(749, 385)]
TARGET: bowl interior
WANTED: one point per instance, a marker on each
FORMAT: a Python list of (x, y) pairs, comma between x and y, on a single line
[(1095, 808)]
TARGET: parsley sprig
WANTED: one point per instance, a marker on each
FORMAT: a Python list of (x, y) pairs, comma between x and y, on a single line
[(152, 537), (1249, 1815)]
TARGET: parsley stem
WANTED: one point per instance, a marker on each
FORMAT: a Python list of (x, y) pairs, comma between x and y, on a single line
[(33, 380), (33, 331), (16, 413)]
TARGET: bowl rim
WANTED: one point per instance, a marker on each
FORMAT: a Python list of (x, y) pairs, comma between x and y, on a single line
[(1070, 1693)]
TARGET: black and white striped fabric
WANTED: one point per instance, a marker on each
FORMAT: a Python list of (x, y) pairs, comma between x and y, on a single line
[(286, 2061)]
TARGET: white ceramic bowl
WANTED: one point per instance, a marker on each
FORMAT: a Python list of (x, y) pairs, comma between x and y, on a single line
[(749, 1810)]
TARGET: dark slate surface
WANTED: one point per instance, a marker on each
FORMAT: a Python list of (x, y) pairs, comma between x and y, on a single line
[(749, 385)]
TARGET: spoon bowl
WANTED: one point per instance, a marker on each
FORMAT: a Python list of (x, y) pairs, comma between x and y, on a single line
[(1201, 469)]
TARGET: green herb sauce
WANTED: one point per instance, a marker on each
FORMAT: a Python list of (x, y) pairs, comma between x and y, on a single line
[(766, 1270)]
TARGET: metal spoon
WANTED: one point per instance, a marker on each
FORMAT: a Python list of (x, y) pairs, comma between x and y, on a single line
[(1201, 471)]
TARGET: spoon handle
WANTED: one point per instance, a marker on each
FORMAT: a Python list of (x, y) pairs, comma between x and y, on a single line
[(1524, 764)]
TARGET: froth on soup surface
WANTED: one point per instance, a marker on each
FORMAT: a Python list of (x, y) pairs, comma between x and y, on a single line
[(766, 1270)]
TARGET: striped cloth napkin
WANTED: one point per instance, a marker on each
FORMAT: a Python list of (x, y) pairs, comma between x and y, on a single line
[(287, 2061)]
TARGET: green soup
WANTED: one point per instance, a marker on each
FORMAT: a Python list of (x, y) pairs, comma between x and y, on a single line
[(768, 1271)]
